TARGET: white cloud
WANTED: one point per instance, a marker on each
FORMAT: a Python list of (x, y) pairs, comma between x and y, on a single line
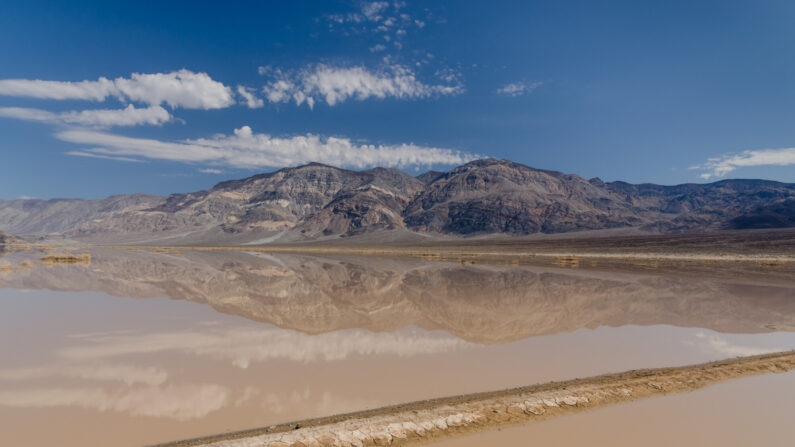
[(448, 74), (129, 116), (116, 145), (515, 89), (720, 166), (337, 84), (28, 114), (246, 149), (104, 157), (376, 17), (86, 90), (211, 171), (376, 48), (252, 101), (373, 10), (182, 88)]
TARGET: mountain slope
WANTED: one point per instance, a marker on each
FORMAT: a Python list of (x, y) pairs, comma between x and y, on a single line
[(492, 196), (482, 197), (498, 196)]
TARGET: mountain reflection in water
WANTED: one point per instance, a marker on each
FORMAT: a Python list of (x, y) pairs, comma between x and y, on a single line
[(248, 340), (483, 304)]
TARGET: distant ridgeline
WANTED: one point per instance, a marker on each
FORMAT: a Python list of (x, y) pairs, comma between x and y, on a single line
[(482, 197)]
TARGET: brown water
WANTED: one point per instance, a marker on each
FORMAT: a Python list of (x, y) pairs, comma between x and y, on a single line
[(747, 412), (142, 347)]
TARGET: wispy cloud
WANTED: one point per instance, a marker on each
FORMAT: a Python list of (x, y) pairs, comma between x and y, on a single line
[(515, 89), (246, 149), (129, 116), (182, 88), (103, 157), (338, 84), (373, 10), (252, 101), (720, 166), (387, 20)]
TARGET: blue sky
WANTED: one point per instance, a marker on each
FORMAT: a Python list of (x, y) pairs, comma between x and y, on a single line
[(99, 98)]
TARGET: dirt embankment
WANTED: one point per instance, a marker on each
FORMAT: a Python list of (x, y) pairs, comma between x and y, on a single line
[(420, 422)]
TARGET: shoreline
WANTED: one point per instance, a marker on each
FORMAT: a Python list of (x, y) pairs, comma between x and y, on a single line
[(424, 421), (430, 252), (772, 246)]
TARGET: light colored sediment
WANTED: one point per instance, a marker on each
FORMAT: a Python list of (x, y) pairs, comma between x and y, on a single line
[(424, 421), (435, 253), (67, 259)]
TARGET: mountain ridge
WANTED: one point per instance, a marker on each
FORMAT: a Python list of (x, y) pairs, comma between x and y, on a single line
[(487, 196)]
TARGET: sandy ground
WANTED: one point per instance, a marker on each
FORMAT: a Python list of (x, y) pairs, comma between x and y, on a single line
[(425, 421)]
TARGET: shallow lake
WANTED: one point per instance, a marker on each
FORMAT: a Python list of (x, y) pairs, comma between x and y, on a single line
[(138, 347)]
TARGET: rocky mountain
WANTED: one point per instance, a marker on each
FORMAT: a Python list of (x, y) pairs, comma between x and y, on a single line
[(482, 197)]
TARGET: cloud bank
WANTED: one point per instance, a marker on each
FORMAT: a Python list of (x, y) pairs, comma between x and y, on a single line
[(338, 84), (182, 88), (246, 149), (720, 166)]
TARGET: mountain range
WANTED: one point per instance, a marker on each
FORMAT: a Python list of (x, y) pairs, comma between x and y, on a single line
[(483, 197)]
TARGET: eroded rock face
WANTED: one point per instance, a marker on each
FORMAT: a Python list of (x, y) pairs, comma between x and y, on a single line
[(482, 197), (34, 216)]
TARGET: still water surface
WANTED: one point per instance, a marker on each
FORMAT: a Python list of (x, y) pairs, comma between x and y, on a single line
[(140, 347)]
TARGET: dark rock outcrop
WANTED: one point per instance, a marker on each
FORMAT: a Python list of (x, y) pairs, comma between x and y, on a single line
[(775, 215)]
